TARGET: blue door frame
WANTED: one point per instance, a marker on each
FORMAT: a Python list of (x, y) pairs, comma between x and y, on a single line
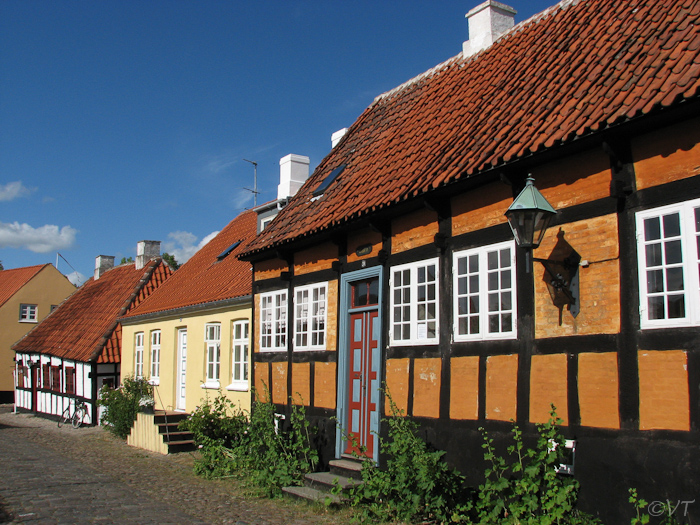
[(346, 281)]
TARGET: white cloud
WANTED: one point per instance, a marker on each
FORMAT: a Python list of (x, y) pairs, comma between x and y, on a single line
[(45, 239), (13, 190), (76, 278), (184, 245)]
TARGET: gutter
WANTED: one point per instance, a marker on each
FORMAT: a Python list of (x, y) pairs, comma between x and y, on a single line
[(178, 312)]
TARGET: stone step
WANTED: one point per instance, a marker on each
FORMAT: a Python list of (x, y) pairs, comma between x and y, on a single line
[(311, 494), (350, 468), (326, 481)]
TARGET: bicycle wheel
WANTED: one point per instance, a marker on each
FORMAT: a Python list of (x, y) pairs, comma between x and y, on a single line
[(77, 418), (64, 418)]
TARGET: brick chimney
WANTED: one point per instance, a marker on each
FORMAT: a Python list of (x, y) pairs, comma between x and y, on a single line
[(145, 251), (102, 264), (294, 170), (487, 22)]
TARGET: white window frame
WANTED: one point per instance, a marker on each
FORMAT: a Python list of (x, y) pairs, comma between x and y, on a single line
[(410, 310), (212, 349), (28, 313), (155, 356), (310, 316), (687, 267), (481, 277), (138, 354), (240, 344), (273, 321)]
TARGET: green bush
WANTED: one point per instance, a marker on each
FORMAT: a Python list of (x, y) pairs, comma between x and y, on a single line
[(416, 485), (123, 403), (253, 446), (524, 488)]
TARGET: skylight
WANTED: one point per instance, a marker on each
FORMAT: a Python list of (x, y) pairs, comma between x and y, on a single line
[(228, 250), (328, 180)]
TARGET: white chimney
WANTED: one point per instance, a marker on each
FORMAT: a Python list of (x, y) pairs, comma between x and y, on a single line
[(102, 264), (145, 251), (487, 22), (294, 170), (335, 137)]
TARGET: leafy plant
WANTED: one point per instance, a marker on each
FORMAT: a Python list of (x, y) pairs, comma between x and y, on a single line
[(525, 488), (122, 404), (416, 485)]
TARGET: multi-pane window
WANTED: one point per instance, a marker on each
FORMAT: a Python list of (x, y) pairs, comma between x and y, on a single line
[(668, 252), (46, 376), (28, 313), (70, 380), (155, 355), (213, 345), (273, 320), (239, 355), (138, 354), (310, 305), (484, 293), (414, 303), (56, 378)]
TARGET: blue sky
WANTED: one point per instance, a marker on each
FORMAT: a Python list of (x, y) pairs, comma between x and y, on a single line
[(129, 120)]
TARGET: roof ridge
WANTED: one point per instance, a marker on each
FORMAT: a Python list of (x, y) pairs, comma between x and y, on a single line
[(443, 65)]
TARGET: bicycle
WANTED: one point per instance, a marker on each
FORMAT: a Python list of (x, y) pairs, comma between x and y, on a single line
[(76, 418)]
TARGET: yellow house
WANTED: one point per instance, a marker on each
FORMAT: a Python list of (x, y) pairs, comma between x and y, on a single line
[(27, 295), (190, 339)]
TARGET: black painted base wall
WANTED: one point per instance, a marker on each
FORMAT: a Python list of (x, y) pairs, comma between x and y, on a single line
[(7, 397)]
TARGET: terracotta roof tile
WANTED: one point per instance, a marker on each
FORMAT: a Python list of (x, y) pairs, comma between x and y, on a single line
[(204, 278), (85, 326), (579, 67), (11, 281)]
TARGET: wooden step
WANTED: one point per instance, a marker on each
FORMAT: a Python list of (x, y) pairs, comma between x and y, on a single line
[(181, 446), (311, 494)]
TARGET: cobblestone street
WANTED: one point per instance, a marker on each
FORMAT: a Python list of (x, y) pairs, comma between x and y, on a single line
[(51, 475)]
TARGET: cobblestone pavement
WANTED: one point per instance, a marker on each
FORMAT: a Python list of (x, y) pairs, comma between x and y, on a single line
[(50, 475)]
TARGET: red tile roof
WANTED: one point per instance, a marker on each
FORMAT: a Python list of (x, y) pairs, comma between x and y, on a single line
[(205, 278), (576, 69), (85, 326), (11, 281)]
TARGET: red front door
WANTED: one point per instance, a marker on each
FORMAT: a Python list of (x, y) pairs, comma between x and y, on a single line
[(363, 388)]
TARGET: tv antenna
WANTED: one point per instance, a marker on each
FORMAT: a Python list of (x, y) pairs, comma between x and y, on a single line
[(254, 191)]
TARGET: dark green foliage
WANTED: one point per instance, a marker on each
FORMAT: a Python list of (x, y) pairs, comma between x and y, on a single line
[(170, 259), (524, 488), (253, 446), (416, 486), (123, 404)]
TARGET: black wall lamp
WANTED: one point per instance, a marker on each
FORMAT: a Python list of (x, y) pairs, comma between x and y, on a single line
[(529, 217)]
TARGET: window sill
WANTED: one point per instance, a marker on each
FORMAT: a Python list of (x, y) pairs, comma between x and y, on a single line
[(28, 321), (309, 349), (238, 387), (154, 382), (212, 384)]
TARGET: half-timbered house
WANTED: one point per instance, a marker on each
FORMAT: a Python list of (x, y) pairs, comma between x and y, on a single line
[(76, 350), (395, 263)]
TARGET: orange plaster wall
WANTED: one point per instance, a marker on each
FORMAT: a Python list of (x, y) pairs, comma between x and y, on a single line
[(476, 210), (319, 257), (269, 269), (501, 387), (332, 317), (667, 154), (548, 386), (357, 239), (464, 387), (413, 230), (598, 390), (324, 385), (595, 240), (301, 383), (397, 384), (261, 380), (574, 180), (663, 390), (426, 387), (279, 383)]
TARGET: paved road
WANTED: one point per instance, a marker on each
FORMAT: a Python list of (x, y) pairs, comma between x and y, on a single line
[(50, 475)]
